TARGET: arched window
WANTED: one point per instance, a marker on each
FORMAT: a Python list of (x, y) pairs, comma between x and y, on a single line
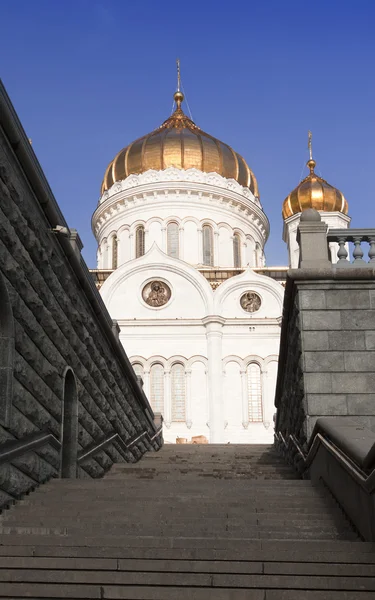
[(208, 254), (178, 392), (139, 371), (114, 252), (254, 388), (172, 240), (236, 251), (139, 241), (157, 388)]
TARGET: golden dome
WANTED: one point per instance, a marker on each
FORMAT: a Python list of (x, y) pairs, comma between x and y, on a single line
[(179, 143), (314, 192)]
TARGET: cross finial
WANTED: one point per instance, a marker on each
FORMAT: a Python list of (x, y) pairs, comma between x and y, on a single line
[(309, 145), (178, 75)]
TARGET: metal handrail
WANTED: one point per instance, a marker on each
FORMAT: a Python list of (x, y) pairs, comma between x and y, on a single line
[(15, 448), (366, 481), (118, 440)]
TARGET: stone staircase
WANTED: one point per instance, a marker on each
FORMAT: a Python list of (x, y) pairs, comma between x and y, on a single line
[(189, 522)]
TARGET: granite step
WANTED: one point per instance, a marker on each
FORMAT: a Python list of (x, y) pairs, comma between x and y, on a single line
[(193, 522), (293, 552), (187, 579)]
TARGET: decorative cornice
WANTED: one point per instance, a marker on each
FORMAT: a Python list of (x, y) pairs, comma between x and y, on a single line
[(164, 187), (128, 203), (179, 175)]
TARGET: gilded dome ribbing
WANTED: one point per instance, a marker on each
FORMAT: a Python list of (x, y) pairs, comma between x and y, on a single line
[(314, 192), (179, 143)]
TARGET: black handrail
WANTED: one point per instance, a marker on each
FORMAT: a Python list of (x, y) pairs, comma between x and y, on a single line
[(118, 440), (365, 480), (15, 448)]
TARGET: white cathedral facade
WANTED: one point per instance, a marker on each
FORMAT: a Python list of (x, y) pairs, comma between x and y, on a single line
[(181, 234)]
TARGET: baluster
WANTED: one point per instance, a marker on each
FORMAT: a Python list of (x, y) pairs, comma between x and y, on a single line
[(371, 252), (342, 253), (358, 253)]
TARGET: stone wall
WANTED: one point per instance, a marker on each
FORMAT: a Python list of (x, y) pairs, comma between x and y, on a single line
[(58, 321), (327, 349)]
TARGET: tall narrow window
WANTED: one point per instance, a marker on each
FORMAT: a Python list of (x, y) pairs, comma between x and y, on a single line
[(139, 371), (254, 388), (172, 240), (178, 395), (114, 252), (236, 251), (139, 241), (157, 388), (208, 258)]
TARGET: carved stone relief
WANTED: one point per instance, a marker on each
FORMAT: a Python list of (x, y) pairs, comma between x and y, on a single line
[(156, 293), (251, 302)]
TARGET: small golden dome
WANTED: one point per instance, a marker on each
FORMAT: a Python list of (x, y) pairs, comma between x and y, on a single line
[(314, 192), (179, 143)]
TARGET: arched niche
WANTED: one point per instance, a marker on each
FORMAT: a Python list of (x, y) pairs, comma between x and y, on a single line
[(6, 354), (69, 436)]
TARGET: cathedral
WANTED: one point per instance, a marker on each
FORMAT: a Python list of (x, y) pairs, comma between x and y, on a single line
[(181, 268)]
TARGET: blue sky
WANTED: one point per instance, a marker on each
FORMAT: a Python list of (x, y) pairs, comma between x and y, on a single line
[(89, 76)]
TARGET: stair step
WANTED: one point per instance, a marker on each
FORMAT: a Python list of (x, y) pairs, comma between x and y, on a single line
[(188, 566), (359, 553), (186, 579), (190, 522)]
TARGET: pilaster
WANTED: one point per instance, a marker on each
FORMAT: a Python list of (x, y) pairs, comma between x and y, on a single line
[(214, 336)]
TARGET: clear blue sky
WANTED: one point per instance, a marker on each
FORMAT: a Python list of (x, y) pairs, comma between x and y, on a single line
[(89, 76)]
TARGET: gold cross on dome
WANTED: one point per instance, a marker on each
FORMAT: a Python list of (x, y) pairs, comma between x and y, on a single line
[(178, 75), (309, 145)]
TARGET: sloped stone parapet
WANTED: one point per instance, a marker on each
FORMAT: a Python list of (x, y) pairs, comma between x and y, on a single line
[(55, 325)]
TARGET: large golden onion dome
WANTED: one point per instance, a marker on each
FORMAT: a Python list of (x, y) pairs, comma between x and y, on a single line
[(314, 192), (179, 143)]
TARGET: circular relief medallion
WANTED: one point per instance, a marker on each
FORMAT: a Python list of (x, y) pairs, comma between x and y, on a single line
[(250, 301), (156, 293)]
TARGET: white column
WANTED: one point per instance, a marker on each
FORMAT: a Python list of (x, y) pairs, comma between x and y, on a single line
[(214, 335), (147, 240), (167, 398), (243, 259), (267, 397), (99, 258), (164, 239), (200, 243), (207, 404), (245, 400), (181, 244), (216, 249), (132, 245), (146, 384), (188, 417), (263, 379), (105, 254), (250, 252)]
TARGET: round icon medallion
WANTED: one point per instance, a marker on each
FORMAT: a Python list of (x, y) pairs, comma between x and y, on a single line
[(250, 301), (156, 293)]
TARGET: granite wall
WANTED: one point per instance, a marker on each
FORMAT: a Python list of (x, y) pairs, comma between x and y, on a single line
[(52, 320), (327, 349)]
